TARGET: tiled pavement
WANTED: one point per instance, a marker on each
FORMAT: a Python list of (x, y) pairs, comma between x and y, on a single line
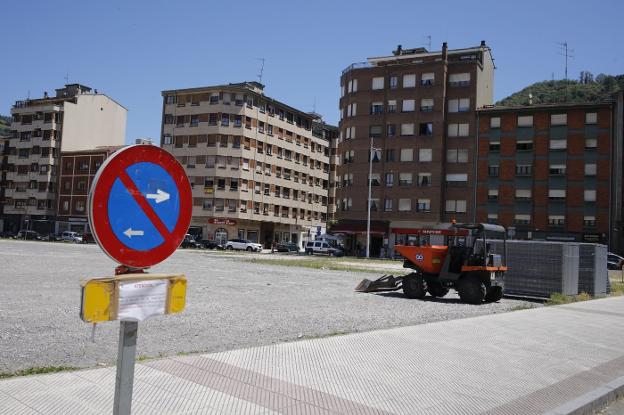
[(523, 362)]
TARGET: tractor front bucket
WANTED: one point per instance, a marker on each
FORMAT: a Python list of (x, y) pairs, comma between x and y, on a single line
[(385, 283)]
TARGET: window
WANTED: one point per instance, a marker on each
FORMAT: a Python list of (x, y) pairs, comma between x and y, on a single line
[(558, 119), (405, 179), (405, 205), (427, 79), (457, 178), (408, 105), (375, 179), (492, 217), (557, 169), (495, 122), (375, 131), (524, 169), (458, 130), (391, 130), (589, 195), (425, 128), (524, 145), (493, 171), (424, 205), (170, 99), (347, 204), (520, 219), (560, 144), (492, 194), (407, 154), (392, 105), (377, 108), (390, 154), (351, 109), (458, 206), (388, 205), (523, 194), (214, 99), (591, 118), (589, 221), (393, 81), (556, 220), (590, 169), (459, 79), (378, 82), (494, 146), (389, 179), (376, 155), (459, 105), (167, 139), (66, 205), (425, 154), (424, 179), (407, 129), (409, 81), (457, 155), (352, 85), (556, 194), (525, 121), (591, 143), (426, 105)]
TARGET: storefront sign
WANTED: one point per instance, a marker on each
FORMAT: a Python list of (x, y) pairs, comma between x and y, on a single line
[(222, 221)]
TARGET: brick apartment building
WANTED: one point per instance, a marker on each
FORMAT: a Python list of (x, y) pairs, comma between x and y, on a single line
[(418, 107), (41, 129), (257, 169), (550, 171), (77, 170)]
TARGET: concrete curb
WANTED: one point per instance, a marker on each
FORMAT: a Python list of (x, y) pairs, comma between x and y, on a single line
[(592, 401)]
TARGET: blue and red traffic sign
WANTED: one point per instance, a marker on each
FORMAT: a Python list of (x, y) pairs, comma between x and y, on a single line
[(140, 205)]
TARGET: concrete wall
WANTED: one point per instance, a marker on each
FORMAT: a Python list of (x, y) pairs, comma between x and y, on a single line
[(485, 81), (94, 121)]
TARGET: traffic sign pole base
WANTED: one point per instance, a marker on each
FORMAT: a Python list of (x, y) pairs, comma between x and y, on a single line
[(126, 354)]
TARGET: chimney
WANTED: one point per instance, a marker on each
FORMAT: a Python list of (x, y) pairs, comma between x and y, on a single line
[(444, 51), (483, 43), (399, 51), (45, 94)]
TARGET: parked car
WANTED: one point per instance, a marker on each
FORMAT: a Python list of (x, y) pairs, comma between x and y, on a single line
[(7, 234), (190, 242), (287, 247), (51, 237), (210, 244), (24, 234), (243, 245), (322, 247), (614, 261), (69, 236)]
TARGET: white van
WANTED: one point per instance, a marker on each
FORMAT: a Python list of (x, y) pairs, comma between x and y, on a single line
[(321, 247)]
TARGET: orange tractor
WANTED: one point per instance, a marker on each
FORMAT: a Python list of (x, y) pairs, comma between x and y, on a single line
[(463, 263)]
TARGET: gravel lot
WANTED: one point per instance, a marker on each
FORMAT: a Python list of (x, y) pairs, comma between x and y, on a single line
[(230, 304)]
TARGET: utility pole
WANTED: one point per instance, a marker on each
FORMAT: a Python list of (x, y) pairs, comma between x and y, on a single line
[(568, 54), (261, 70)]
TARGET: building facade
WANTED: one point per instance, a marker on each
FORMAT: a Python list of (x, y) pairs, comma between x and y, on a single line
[(416, 110), (77, 170), (257, 170), (546, 171), (75, 119)]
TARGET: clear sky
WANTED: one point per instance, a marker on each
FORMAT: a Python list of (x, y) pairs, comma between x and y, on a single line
[(132, 50)]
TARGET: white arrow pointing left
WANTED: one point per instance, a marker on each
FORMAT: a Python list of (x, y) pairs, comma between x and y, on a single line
[(131, 232), (159, 196)]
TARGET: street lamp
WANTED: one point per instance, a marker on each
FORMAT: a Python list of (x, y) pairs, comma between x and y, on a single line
[(370, 184)]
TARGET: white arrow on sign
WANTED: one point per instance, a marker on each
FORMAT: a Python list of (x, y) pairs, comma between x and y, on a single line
[(130, 233), (159, 196)]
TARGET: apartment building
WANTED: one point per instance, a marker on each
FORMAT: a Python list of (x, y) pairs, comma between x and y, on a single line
[(330, 134), (416, 110), (257, 170), (77, 170), (75, 119), (547, 171)]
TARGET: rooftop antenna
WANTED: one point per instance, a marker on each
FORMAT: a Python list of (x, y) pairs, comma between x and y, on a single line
[(568, 54), (66, 78), (314, 106), (428, 42), (261, 70)]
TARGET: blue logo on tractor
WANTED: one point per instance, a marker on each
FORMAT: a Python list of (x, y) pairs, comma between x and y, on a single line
[(419, 257)]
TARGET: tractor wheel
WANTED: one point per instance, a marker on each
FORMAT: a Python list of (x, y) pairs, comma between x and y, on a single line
[(436, 289), (493, 294), (471, 289), (414, 286)]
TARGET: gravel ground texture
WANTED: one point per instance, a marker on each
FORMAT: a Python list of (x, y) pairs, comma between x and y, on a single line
[(231, 304)]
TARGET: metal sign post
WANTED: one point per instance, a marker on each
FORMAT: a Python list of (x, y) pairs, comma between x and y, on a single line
[(140, 206), (126, 354)]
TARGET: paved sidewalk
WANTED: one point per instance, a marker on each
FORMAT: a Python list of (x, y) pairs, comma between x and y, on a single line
[(524, 362)]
